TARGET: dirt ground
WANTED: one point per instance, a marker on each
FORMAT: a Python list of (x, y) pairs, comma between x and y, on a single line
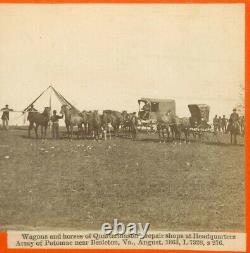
[(59, 184)]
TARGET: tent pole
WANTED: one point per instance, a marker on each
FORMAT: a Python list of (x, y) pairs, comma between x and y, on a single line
[(50, 100)]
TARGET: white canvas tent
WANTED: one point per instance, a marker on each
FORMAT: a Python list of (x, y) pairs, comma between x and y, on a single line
[(50, 97)]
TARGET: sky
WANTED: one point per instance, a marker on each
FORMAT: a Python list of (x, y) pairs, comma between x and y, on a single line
[(107, 56)]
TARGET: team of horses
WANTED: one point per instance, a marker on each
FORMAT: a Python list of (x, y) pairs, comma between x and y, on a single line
[(89, 123), (96, 125), (172, 126)]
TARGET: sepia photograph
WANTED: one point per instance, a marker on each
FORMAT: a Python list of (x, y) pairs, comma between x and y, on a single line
[(128, 112)]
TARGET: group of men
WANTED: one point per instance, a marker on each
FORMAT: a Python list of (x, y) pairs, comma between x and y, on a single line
[(222, 124), (54, 119)]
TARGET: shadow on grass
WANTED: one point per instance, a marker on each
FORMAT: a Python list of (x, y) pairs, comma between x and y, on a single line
[(149, 139)]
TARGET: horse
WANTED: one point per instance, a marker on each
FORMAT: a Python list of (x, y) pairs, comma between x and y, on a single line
[(173, 125), (129, 124), (126, 122), (94, 124), (163, 126), (183, 125), (84, 116), (234, 130), (72, 118), (114, 118), (242, 125), (39, 119)]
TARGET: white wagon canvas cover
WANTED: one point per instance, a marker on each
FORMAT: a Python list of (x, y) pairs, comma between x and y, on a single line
[(158, 106)]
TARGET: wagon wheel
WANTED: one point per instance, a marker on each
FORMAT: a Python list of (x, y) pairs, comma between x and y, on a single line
[(152, 128), (148, 128)]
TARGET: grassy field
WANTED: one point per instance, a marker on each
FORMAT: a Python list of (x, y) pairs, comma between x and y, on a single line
[(81, 184)]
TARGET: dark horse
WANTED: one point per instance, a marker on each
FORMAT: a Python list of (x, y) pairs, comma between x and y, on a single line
[(39, 119), (170, 124), (164, 126), (94, 124), (114, 118), (234, 129)]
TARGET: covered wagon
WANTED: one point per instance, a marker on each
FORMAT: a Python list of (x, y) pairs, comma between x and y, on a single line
[(150, 107), (149, 110), (199, 117)]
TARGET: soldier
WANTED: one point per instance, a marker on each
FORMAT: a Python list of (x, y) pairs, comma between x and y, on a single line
[(224, 124), (146, 109), (133, 124), (55, 124), (5, 116), (220, 124), (234, 118), (215, 123)]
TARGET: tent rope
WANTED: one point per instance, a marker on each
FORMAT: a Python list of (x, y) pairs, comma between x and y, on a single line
[(35, 100), (60, 97)]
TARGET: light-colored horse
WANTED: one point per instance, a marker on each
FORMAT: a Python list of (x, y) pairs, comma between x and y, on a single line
[(72, 118)]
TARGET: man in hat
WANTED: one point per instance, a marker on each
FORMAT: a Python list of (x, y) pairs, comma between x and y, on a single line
[(216, 123), (133, 125), (5, 116), (234, 117), (146, 110), (55, 124)]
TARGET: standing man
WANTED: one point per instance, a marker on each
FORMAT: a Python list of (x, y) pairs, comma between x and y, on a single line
[(55, 124), (220, 124), (224, 124), (6, 117), (215, 123), (133, 125)]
